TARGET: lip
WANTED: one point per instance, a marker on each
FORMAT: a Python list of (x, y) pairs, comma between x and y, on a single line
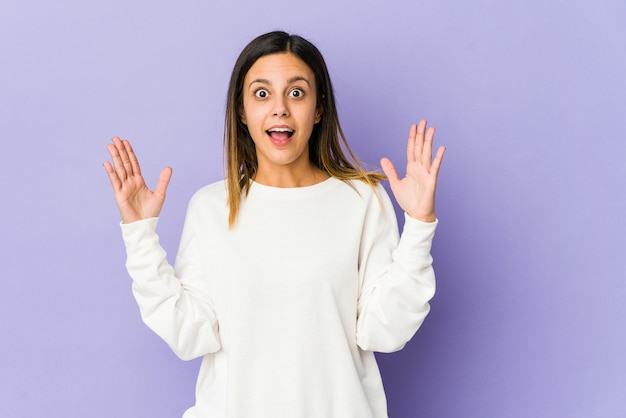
[(280, 142), (279, 127)]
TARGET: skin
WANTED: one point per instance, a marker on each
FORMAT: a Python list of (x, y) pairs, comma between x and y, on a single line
[(415, 193), (279, 90), (134, 199)]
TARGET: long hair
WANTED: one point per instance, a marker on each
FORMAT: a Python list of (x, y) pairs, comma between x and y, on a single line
[(327, 145)]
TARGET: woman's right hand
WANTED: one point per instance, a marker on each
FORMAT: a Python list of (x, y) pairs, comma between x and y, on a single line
[(134, 199)]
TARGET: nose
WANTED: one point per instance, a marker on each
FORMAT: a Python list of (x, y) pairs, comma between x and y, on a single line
[(280, 107)]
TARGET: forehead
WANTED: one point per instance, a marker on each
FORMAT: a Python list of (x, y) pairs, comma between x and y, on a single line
[(279, 67)]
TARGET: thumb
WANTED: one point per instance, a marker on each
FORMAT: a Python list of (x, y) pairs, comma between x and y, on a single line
[(389, 169), (163, 181)]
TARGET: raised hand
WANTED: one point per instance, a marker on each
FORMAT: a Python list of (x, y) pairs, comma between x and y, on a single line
[(415, 193), (134, 199)]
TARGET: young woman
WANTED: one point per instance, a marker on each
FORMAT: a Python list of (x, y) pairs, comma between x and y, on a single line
[(291, 271)]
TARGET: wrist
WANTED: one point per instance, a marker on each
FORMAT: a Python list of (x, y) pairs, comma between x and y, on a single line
[(424, 218)]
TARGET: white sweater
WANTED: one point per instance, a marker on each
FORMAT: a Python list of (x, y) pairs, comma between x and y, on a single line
[(287, 307)]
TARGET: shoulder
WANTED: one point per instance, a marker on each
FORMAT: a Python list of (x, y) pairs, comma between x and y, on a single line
[(209, 195), (359, 197), (367, 192)]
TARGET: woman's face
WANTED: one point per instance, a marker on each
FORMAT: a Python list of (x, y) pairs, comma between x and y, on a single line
[(280, 110)]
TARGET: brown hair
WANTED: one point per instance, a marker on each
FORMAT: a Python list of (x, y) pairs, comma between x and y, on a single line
[(327, 145)]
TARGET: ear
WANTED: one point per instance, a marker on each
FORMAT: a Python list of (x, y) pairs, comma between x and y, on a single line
[(318, 113), (242, 115)]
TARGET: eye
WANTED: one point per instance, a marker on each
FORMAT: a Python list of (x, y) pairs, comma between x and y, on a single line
[(261, 93), (296, 93)]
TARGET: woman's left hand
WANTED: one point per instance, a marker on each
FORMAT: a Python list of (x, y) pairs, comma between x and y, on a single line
[(415, 193)]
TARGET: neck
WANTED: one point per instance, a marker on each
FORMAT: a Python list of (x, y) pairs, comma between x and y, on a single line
[(285, 177)]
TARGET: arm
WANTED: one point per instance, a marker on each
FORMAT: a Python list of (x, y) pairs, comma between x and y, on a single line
[(397, 282), (397, 278), (169, 301), (173, 302)]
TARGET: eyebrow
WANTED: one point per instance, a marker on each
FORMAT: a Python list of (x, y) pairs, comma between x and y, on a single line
[(289, 81)]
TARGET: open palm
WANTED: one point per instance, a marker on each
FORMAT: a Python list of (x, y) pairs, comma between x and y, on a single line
[(415, 193), (134, 199)]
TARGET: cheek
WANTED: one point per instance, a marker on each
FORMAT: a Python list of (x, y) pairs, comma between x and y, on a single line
[(252, 115), (248, 117), (249, 111)]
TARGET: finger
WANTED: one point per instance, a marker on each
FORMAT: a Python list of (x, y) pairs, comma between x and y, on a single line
[(419, 140), (115, 180), (163, 182), (124, 154), (134, 162), (427, 151), (410, 146), (390, 170), (122, 163), (437, 162), (118, 165)]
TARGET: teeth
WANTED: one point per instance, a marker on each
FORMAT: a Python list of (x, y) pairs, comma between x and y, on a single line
[(280, 130)]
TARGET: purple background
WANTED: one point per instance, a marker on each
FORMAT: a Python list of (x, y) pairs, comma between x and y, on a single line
[(528, 96)]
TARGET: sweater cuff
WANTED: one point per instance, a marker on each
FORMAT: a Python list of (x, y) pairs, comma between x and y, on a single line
[(133, 232), (417, 234)]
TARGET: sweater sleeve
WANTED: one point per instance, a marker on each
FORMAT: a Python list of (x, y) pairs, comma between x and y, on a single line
[(397, 279), (172, 302)]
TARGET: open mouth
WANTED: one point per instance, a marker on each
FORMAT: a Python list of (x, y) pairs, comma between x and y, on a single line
[(280, 134)]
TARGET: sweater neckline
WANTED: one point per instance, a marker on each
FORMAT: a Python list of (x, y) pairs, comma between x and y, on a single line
[(291, 191)]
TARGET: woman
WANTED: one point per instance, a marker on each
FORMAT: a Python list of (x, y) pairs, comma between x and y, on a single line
[(290, 272)]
